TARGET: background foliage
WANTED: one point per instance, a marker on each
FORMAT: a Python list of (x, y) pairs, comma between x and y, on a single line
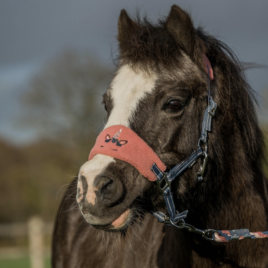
[(64, 105)]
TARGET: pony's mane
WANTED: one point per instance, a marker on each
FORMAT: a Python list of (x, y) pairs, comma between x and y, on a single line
[(236, 95), (152, 46)]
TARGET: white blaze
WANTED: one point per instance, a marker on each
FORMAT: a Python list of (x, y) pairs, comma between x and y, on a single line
[(128, 88)]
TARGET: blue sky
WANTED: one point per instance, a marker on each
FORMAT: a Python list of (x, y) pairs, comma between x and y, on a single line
[(33, 32)]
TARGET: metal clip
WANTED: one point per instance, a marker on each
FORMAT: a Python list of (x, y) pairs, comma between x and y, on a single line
[(180, 224), (201, 172), (188, 227), (160, 185), (193, 229), (208, 234)]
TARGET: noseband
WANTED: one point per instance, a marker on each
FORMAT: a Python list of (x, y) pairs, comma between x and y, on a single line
[(123, 143)]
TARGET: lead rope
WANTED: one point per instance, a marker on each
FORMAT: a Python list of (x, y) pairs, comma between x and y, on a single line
[(164, 180)]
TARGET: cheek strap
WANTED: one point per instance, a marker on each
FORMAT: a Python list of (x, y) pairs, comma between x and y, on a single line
[(122, 143)]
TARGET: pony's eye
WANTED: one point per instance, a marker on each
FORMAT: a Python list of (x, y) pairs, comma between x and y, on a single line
[(174, 105)]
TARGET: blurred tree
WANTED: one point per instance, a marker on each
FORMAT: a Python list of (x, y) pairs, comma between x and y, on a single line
[(65, 100), (63, 105), (32, 176)]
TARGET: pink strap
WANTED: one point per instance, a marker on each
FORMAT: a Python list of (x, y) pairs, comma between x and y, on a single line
[(207, 63), (122, 143)]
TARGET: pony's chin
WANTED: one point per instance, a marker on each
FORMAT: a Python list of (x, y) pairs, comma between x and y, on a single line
[(119, 224), (121, 221)]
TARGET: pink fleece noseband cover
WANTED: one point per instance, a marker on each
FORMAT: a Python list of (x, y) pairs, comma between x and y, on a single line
[(123, 143)]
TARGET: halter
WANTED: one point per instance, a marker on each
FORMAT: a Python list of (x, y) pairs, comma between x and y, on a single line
[(126, 145)]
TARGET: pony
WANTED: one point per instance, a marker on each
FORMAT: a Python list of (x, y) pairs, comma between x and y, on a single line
[(160, 91)]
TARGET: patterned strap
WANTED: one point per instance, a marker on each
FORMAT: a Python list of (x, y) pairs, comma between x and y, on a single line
[(238, 234)]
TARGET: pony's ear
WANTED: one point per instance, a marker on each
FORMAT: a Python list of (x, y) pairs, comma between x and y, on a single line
[(126, 26), (180, 26)]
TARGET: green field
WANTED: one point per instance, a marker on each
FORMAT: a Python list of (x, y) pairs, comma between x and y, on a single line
[(20, 263)]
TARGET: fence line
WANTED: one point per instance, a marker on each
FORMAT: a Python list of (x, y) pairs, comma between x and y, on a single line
[(21, 229), (35, 230)]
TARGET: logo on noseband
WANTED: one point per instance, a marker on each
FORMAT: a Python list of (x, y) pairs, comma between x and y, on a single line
[(115, 140)]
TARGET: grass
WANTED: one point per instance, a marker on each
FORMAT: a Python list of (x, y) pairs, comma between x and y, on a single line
[(20, 263)]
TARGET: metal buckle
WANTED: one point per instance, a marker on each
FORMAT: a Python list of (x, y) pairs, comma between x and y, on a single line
[(211, 106), (201, 172), (204, 143), (166, 220), (159, 183), (212, 111)]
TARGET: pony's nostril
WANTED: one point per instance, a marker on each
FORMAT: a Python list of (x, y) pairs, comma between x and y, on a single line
[(104, 184), (108, 189)]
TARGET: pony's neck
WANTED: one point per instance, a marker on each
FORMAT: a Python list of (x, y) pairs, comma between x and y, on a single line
[(236, 196), (235, 192)]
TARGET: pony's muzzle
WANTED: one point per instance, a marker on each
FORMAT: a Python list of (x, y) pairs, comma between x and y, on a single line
[(99, 191), (105, 191)]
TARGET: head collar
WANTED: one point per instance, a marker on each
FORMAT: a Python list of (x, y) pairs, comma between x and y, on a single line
[(123, 143)]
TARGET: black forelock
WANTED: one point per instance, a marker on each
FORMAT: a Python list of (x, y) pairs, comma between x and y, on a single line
[(149, 45)]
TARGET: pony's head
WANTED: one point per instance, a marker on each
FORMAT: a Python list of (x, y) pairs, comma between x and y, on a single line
[(159, 91)]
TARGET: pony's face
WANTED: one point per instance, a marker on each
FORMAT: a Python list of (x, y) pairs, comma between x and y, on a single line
[(164, 106)]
